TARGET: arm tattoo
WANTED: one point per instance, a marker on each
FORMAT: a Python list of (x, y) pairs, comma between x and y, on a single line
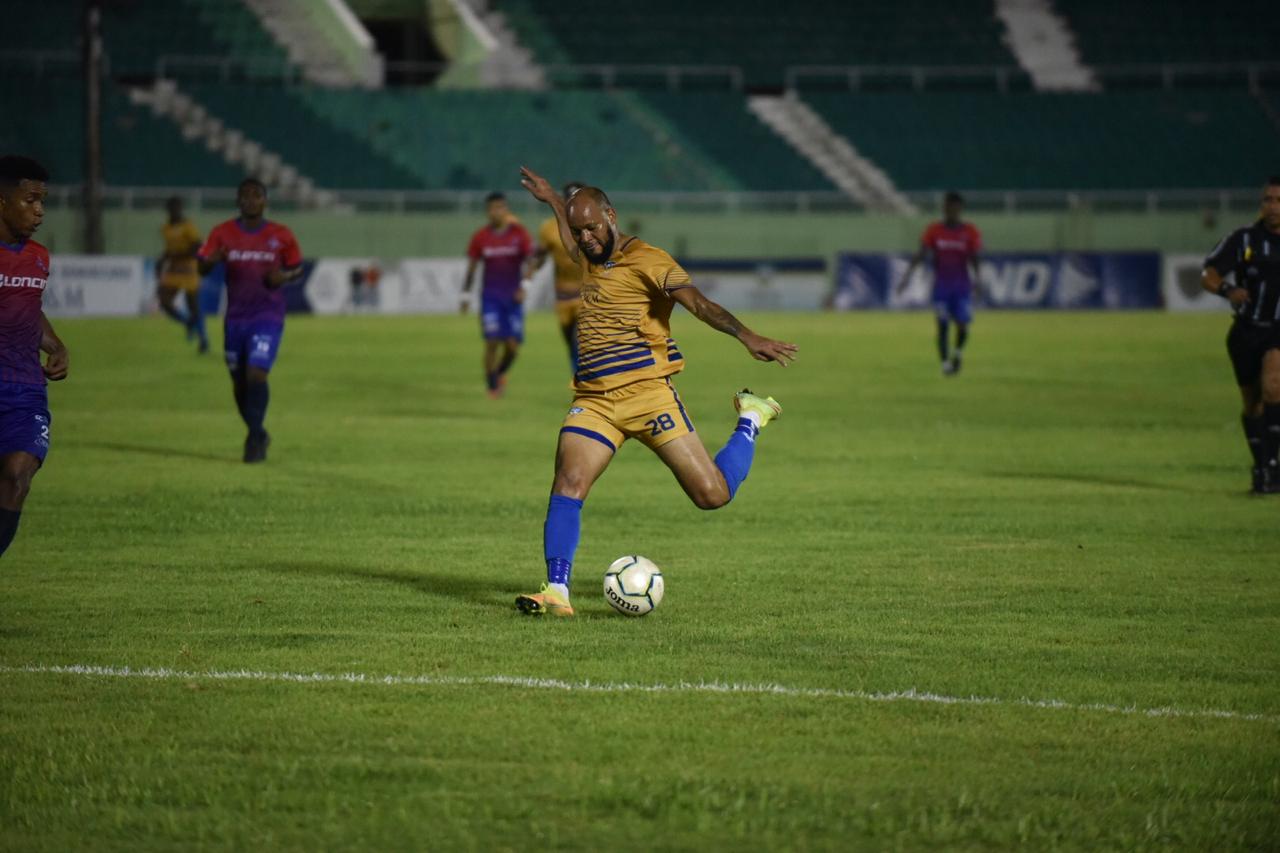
[(718, 318)]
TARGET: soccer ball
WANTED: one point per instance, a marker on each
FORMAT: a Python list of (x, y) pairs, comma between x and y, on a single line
[(633, 586)]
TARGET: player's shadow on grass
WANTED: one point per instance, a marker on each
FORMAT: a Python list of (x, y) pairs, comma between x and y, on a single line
[(1089, 480), (462, 587), (156, 450)]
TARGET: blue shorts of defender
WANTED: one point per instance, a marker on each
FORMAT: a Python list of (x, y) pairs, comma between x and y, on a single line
[(956, 306), (501, 319), (24, 419), (253, 344)]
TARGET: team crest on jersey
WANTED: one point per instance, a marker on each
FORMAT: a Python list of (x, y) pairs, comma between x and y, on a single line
[(273, 243), (44, 267)]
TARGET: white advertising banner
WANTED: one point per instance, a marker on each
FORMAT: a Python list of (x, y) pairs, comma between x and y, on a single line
[(97, 286), (412, 286), (1181, 285), (764, 289)]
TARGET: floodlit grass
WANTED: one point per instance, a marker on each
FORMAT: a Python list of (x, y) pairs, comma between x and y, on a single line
[(1066, 520)]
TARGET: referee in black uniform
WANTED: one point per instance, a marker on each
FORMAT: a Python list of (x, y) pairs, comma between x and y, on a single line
[(1251, 257)]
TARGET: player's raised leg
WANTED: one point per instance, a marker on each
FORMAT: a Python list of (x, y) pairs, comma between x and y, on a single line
[(709, 483), (581, 458)]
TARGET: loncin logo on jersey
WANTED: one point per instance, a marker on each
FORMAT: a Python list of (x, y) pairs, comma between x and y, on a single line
[(36, 282), (251, 255)]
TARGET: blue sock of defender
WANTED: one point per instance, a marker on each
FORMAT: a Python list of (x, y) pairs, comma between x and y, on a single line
[(8, 527), (560, 540), (256, 397), (197, 324), (734, 459), (943, 326)]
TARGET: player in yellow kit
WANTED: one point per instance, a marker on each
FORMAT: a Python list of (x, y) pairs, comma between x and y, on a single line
[(568, 278), (623, 382), (177, 272)]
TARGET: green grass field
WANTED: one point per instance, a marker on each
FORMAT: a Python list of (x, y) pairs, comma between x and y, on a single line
[(1064, 522)]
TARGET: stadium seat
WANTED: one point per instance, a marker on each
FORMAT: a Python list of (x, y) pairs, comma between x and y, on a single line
[(1127, 140), (763, 39)]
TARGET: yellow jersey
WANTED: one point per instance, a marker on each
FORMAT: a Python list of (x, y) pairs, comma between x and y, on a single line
[(181, 239), (568, 273), (624, 328)]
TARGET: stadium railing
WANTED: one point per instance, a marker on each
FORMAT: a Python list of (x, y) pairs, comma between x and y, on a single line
[(1004, 78), (569, 76), (64, 196)]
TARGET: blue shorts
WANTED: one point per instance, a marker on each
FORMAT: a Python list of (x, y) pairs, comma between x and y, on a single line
[(957, 307), (24, 419), (252, 344), (501, 319)]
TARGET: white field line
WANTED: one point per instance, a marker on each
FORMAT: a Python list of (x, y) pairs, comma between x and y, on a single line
[(913, 695)]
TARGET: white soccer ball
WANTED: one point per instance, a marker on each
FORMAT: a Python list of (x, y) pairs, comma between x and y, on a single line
[(633, 585)]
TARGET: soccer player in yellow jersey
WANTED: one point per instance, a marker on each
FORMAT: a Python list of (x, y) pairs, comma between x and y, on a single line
[(623, 383), (176, 270), (568, 278)]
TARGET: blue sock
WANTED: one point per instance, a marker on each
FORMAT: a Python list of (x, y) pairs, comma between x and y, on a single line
[(491, 380), (256, 397), (560, 537), (197, 323), (734, 459)]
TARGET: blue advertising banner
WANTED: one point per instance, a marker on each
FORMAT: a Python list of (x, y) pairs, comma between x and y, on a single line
[(1070, 280)]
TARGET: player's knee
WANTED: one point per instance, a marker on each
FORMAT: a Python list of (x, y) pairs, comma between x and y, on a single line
[(256, 375), (15, 482), (570, 484), (710, 496)]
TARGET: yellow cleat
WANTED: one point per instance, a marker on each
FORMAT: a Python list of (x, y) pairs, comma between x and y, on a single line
[(544, 602), (766, 407)]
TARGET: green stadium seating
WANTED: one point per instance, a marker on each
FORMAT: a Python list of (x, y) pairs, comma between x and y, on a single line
[(477, 140), (272, 115), (1147, 31), (138, 149), (727, 132), (1129, 140), (763, 37)]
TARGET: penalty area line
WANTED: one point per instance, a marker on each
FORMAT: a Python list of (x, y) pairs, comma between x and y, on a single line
[(713, 687)]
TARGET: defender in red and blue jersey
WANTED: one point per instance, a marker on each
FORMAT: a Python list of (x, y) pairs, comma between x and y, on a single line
[(24, 333), (953, 246), (505, 249), (260, 257)]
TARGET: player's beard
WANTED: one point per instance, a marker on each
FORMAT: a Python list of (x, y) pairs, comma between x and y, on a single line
[(606, 250)]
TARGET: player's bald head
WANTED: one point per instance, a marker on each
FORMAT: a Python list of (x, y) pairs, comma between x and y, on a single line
[(587, 197)]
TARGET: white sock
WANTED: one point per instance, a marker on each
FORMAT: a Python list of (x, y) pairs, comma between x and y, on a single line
[(560, 589), (754, 417)]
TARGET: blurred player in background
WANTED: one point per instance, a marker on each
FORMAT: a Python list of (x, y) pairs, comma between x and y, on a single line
[(623, 385), (24, 333), (953, 246), (260, 257), (568, 278), (177, 272), (1251, 256), (504, 248)]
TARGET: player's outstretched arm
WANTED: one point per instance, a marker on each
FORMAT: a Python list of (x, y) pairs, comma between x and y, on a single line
[(55, 366), (718, 318), (541, 189)]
